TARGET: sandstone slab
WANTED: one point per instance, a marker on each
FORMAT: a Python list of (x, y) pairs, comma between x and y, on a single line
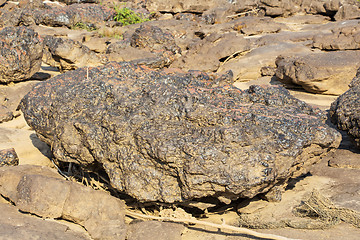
[(167, 136), (325, 73), (41, 191)]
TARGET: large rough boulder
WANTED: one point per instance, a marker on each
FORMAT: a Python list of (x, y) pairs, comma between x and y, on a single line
[(325, 73), (175, 136), (345, 112), (21, 50)]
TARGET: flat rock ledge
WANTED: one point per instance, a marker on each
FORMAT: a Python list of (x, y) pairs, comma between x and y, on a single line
[(172, 136)]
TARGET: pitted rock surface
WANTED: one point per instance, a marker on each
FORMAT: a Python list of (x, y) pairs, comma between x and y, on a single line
[(21, 50), (175, 136), (68, 16), (345, 111)]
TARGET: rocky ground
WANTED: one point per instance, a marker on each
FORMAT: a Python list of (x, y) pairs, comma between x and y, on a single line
[(114, 115)]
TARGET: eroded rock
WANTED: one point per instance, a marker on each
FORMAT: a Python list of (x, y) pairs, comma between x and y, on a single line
[(165, 136), (21, 50), (67, 54), (347, 38), (344, 111), (41, 191), (325, 73)]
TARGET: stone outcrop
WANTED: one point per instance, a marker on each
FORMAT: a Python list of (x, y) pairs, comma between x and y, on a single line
[(345, 111), (41, 191), (21, 50), (170, 137), (325, 73), (347, 38), (148, 45), (67, 54)]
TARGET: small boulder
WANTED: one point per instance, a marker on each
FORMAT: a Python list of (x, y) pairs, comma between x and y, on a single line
[(325, 73), (8, 157), (21, 50)]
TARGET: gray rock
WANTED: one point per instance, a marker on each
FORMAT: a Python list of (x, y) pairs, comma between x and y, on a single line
[(348, 11), (8, 157), (345, 112), (171, 137), (325, 73), (41, 191), (21, 50)]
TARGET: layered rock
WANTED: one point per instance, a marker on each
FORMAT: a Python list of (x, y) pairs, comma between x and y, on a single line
[(41, 191), (347, 38), (21, 50), (325, 73), (345, 112), (166, 136), (67, 54), (148, 45)]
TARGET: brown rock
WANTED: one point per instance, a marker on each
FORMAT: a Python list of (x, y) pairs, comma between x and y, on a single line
[(67, 54), (8, 157), (154, 230), (326, 73), (176, 6), (206, 54), (15, 225), (40, 191), (256, 25), (348, 11), (347, 38)]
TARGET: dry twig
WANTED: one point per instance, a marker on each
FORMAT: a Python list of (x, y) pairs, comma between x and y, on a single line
[(209, 224)]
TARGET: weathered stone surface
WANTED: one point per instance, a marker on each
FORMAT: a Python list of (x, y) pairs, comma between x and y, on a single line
[(148, 45), (15, 225), (345, 112), (8, 157), (348, 11), (177, 136), (67, 54), (176, 6), (90, 14), (248, 67), (10, 97), (207, 53), (41, 191), (326, 73), (21, 50), (256, 25), (154, 230), (347, 38)]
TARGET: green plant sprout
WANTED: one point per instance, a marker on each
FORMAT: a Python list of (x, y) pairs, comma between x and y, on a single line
[(127, 16)]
